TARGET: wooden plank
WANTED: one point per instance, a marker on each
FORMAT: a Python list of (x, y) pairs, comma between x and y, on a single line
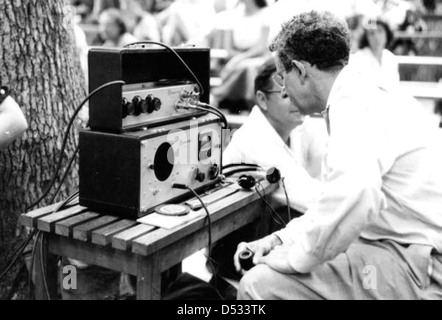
[(103, 236), (47, 224), (84, 231), (65, 227), (149, 278), (105, 257), (123, 241), (156, 240), (30, 219)]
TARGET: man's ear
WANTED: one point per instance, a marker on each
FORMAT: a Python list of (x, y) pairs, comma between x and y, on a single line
[(301, 68), (261, 100)]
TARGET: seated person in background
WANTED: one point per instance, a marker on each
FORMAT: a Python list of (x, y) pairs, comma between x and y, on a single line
[(113, 29), (373, 58), (140, 22), (277, 135), (185, 20), (12, 120), (246, 36)]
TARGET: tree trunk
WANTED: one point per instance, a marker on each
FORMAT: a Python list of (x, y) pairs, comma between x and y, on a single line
[(38, 62)]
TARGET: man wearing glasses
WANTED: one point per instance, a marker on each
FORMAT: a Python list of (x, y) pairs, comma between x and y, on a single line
[(376, 230), (277, 135)]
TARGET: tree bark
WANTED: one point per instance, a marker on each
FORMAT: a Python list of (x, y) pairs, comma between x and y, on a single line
[(38, 61)]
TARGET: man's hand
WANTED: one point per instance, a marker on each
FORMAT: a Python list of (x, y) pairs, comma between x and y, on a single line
[(278, 260), (260, 249)]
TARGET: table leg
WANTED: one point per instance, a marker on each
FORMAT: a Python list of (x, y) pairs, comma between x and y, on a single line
[(46, 281), (149, 278), (170, 276)]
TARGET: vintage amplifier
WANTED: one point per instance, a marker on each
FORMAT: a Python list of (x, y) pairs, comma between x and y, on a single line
[(156, 80), (131, 173)]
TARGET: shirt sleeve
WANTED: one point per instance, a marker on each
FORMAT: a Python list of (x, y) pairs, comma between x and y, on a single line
[(351, 194)]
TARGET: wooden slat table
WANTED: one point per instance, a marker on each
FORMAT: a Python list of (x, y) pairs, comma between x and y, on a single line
[(126, 246)]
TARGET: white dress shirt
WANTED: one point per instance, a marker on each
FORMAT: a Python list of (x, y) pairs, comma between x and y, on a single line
[(386, 73), (382, 176), (257, 142)]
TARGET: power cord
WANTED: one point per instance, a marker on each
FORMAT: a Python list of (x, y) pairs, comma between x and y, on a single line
[(234, 165), (63, 179), (210, 107), (289, 211), (64, 205), (218, 114), (275, 216), (65, 139), (209, 220)]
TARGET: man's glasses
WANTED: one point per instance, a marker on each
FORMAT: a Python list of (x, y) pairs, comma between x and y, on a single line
[(272, 91), (279, 79)]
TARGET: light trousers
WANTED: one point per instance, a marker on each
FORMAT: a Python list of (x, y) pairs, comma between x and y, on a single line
[(380, 270)]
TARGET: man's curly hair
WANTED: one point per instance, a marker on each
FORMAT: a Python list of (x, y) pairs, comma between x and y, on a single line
[(319, 38)]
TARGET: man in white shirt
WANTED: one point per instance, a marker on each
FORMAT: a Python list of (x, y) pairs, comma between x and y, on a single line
[(376, 231), (277, 135)]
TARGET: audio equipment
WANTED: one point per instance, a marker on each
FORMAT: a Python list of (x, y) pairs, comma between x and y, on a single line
[(132, 173), (156, 82)]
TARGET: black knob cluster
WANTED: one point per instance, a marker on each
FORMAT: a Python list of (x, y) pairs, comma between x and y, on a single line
[(139, 106), (200, 176)]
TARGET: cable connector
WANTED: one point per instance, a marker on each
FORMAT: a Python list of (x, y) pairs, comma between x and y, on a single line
[(180, 186)]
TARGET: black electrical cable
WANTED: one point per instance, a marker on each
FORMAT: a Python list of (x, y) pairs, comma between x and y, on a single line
[(31, 270), (65, 204), (16, 256), (234, 165), (218, 114), (209, 220), (61, 206), (209, 107), (231, 173), (289, 212), (21, 248), (43, 265), (68, 169), (66, 137), (210, 236), (276, 217), (174, 53)]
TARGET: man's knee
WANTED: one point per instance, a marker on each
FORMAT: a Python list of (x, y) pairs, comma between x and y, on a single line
[(255, 284)]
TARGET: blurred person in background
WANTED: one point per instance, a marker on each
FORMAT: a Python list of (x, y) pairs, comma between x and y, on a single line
[(373, 58), (113, 29), (186, 20), (246, 37), (140, 22)]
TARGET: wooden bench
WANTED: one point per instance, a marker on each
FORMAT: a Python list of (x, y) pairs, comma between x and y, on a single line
[(123, 245)]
